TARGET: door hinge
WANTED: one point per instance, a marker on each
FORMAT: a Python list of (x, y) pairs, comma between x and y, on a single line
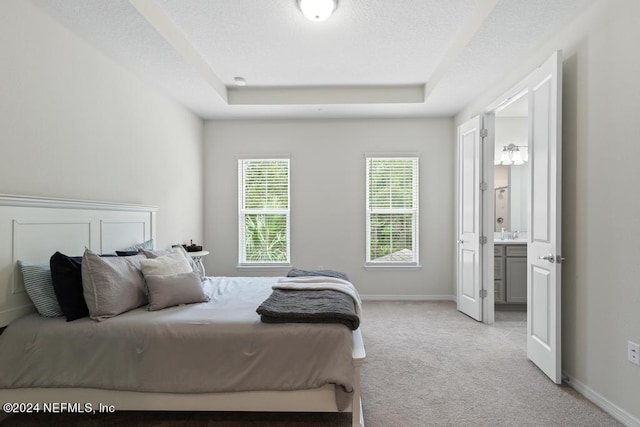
[(484, 133), (483, 240), (483, 186), (483, 293)]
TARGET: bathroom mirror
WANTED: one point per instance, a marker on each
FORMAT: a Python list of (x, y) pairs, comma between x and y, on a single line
[(511, 194), (511, 171)]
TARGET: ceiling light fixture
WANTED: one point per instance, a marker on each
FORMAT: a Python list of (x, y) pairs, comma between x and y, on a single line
[(240, 81), (317, 10)]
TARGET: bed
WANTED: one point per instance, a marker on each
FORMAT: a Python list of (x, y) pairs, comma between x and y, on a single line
[(224, 330)]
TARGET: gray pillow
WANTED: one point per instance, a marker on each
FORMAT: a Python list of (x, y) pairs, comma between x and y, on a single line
[(112, 285), (39, 286), (154, 253), (167, 291)]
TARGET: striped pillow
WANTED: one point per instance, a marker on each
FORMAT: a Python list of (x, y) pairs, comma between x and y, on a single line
[(39, 287)]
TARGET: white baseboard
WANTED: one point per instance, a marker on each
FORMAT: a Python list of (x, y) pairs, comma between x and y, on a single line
[(606, 405), (408, 297)]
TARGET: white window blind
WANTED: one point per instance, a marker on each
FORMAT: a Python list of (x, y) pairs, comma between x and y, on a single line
[(392, 210), (263, 198)]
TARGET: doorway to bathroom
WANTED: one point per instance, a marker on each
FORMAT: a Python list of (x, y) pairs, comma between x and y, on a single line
[(511, 179), (541, 260)]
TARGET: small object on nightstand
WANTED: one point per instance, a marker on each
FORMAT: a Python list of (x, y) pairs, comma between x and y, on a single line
[(192, 248)]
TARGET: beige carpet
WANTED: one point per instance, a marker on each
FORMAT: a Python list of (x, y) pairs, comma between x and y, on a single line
[(435, 366), (427, 365)]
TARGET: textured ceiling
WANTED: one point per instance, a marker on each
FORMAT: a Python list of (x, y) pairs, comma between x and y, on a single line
[(364, 43), (372, 58)]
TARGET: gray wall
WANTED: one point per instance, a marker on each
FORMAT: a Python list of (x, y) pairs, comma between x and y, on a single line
[(601, 202), (328, 196), (75, 124)]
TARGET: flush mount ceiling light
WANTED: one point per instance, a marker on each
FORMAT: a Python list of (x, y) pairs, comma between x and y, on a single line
[(240, 81), (317, 10)]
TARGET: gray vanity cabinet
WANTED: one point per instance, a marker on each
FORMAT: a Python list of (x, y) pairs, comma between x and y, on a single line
[(498, 274), (510, 273)]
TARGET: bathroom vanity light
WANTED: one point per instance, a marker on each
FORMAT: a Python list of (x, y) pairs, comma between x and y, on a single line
[(511, 155), (317, 10)]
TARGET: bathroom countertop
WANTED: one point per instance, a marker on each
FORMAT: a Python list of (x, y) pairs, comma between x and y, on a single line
[(510, 241)]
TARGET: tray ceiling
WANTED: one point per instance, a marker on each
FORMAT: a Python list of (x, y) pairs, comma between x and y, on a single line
[(372, 58)]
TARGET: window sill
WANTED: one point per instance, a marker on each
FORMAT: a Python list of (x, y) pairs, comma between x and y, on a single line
[(394, 266), (257, 267)]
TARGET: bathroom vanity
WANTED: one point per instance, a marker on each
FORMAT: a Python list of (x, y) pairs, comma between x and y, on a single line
[(510, 271)]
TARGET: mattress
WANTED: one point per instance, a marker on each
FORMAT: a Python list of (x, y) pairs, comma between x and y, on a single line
[(218, 346)]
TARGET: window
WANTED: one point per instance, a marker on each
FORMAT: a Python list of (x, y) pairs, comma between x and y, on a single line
[(263, 199), (392, 210)]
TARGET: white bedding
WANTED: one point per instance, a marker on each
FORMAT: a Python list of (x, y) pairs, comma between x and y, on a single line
[(206, 347)]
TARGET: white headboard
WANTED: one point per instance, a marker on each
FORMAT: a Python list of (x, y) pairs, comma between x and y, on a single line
[(34, 228)]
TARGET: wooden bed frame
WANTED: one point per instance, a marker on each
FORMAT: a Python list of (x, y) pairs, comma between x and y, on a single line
[(33, 228)]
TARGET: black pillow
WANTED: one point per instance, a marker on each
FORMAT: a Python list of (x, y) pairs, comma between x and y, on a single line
[(67, 285), (126, 253)]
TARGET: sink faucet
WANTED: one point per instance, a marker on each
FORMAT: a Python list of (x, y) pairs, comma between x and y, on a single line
[(514, 234)]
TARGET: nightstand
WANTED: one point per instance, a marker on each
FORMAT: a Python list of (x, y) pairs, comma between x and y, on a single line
[(197, 257)]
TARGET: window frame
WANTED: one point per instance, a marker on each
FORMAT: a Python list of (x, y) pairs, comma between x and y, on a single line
[(414, 211), (242, 212)]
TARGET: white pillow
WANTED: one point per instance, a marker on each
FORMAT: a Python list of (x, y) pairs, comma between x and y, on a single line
[(165, 265), (175, 249)]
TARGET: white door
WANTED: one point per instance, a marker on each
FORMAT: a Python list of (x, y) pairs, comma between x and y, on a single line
[(469, 212), (543, 254)]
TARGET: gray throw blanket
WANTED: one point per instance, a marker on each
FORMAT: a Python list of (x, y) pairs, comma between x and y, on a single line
[(297, 272), (317, 306)]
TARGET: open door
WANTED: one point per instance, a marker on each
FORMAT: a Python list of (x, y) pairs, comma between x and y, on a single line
[(543, 246), (469, 260)]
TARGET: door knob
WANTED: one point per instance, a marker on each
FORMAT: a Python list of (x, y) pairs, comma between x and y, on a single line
[(460, 241), (549, 258)]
